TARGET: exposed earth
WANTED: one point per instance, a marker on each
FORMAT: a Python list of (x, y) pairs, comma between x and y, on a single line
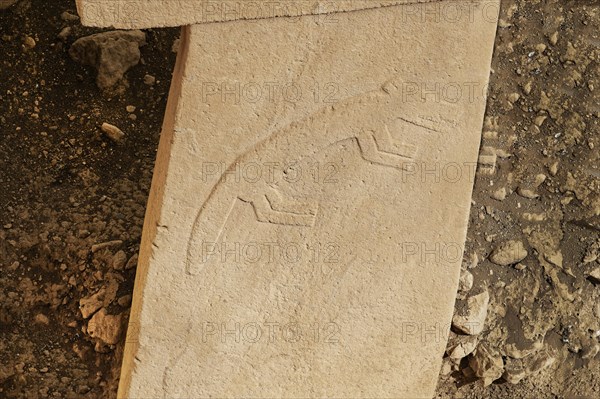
[(76, 159)]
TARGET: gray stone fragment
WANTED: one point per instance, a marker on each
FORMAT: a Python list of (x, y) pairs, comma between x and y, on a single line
[(111, 53), (471, 318), (487, 364), (509, 253)]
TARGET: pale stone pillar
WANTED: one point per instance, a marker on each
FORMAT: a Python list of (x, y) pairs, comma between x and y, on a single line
[(310, 200)]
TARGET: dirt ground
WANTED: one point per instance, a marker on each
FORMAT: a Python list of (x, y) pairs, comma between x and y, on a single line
[(66, 187)]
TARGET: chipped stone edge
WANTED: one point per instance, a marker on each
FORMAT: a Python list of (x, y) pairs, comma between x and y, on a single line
[(151, 218)]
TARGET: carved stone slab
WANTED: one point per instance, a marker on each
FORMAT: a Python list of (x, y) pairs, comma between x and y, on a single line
[(309, 206), (140, 14)]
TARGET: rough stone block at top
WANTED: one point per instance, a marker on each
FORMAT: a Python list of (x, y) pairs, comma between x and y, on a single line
[(142, 14)]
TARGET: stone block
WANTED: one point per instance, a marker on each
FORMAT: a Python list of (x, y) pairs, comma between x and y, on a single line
[(305, 228)]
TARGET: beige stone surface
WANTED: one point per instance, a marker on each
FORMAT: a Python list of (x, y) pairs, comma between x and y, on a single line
[(309, 205), (140, 14)]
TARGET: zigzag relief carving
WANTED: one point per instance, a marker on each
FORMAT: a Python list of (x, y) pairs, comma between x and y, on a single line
[(302, 140), (273, 208), (378, 147)]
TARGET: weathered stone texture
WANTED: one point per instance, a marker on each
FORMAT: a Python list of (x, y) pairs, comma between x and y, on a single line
[(309, 206)]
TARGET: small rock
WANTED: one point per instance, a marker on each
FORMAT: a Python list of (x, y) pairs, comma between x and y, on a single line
[(509, 253), (68, 17), (473, 261), (91, 304), (107, 328), (113, 132), (514, 371), (130, 108), (520, 266), (111, 53), (553, 169), (534, 217), (571, 54), (29, 42), (540, 48), (555, 257), (471, 318), (175, 45), (590, 257), (461, 347), (107, 244), (104, 297), (526, 193), (149, 80), (539, 179), (119, 260), (487, 364), (132, 262), (513, 97), (502, 23), (41, 319), (539, 120), (499, 194), (81, 350), (594, 276), (466, 281), (65, 33), (553, 38), (124, 301)]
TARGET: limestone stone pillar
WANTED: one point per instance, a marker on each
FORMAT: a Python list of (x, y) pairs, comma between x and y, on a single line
[(309, 206)]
